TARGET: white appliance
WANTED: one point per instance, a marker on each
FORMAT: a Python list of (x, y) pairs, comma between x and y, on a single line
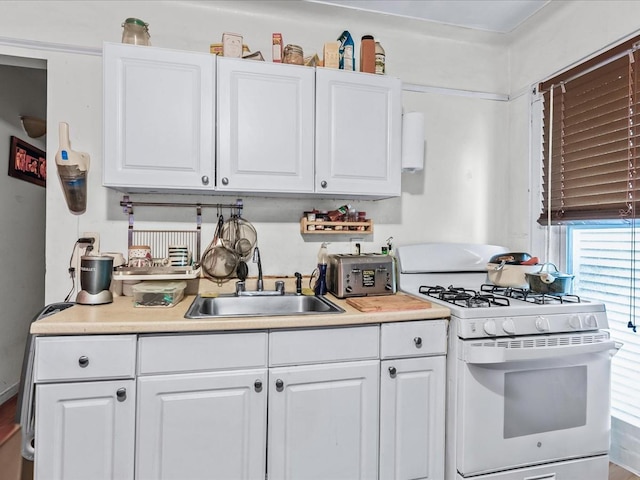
[(528, 375)]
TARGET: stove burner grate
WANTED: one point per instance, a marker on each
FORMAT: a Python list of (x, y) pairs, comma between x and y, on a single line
[(464, 297), (529, 296)]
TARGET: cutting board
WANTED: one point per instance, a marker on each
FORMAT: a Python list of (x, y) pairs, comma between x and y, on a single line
[(388, 303)]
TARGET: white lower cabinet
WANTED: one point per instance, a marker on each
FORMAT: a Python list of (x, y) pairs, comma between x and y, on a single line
[(336, 403), (85, 407), (412, 400), (323, 422), (202, 425), (85, 430)]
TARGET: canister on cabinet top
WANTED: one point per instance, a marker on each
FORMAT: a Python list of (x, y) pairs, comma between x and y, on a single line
[(293, 54), (136, 32)]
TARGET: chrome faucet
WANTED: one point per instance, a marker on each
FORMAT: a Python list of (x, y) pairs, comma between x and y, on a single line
[(241, 287), (256, 259)]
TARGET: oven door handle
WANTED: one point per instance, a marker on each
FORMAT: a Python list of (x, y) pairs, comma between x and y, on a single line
[(488, 355)]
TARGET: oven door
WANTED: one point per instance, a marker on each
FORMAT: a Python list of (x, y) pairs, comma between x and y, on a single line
[(531, 400)]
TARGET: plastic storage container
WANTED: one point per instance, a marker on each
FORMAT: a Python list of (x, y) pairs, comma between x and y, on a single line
[(158, 294)]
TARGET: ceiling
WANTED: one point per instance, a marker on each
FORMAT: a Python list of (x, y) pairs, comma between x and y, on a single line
[(501, 16)]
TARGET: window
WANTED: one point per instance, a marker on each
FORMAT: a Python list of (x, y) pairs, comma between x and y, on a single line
[(590, 151)]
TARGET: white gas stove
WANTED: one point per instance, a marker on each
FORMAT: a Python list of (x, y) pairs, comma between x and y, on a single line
[(528, 376), (455, 276)]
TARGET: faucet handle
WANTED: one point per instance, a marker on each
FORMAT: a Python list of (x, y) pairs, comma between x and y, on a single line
[(280, 287), (240, 287)]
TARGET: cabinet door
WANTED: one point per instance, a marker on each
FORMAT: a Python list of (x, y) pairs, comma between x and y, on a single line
[(85, 430), (202, 426), (158, 118), (265, 127), (323, 422), (358, 133), (412, 418)]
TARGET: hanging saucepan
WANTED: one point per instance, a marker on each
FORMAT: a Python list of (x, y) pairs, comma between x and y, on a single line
[(550, 282), (218, 261)]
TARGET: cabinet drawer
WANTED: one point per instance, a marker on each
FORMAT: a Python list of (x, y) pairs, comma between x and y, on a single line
[(293, 347), (85, 358), (413, 339), (192, 353)]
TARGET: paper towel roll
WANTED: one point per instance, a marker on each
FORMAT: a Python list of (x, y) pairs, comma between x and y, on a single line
[(412, 141)]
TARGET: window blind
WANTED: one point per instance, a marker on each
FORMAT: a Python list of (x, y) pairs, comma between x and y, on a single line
[(589, 142)]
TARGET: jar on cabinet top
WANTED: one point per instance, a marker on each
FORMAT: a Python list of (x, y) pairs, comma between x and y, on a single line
[(293, 55), (136, 32)]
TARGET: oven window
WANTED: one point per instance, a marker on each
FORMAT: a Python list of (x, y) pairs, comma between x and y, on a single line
[(544, 400)]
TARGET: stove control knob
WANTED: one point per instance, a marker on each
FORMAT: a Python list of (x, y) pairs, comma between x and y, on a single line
[(489, 327), (509, 327), (591, 321), (542, 324), (575, 322)]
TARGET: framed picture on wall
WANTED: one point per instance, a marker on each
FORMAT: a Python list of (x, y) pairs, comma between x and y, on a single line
[(27, 162)]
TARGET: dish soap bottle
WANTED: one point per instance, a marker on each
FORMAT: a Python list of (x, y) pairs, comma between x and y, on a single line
[(320, 287)]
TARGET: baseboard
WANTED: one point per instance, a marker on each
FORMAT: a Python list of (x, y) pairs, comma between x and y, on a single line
[(8, 393), (625, 445)]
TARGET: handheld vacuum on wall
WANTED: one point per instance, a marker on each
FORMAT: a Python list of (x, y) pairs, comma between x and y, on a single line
[(72, 170)]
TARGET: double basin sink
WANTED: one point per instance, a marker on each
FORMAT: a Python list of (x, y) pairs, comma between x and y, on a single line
[(259, 306)]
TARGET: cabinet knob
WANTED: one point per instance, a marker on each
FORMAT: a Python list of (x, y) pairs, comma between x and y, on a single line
[(323, 184), (83, 361), (392, 372), (225, 181), (418, 342), (121, 394), (279, 385), (205, 180), (257, 385)]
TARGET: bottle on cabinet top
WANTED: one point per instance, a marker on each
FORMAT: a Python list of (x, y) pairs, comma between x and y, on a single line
[(380, 60), (367, 54)]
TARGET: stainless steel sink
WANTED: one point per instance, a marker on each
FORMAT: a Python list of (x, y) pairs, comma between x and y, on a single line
[(260, 306)]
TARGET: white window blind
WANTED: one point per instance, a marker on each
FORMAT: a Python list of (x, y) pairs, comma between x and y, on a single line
[(600, 258)]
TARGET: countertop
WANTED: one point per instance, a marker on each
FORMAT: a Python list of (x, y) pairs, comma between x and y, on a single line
[(122, 317)]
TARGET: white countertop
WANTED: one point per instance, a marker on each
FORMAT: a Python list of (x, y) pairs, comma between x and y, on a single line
[(122, 317)]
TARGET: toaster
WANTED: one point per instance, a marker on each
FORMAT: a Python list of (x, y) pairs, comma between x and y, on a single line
[(361, 275)]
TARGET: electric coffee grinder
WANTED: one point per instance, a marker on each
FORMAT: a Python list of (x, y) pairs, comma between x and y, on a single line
[(95, 279)]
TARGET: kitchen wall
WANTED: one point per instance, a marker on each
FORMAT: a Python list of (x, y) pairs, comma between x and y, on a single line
[(460, 196), (476, 183), (22, 220)]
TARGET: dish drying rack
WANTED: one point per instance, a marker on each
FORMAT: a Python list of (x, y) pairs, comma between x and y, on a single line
[(159, 241)]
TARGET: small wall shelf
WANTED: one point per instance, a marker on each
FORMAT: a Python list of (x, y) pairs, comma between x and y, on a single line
[(348, 228)]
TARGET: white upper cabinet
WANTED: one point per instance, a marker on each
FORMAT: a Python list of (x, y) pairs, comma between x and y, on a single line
[(265, 127), (358, 133), (172, 123), (159, 130)]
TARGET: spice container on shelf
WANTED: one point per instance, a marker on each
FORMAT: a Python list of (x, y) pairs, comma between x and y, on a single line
[(136, 32), (293, 55)]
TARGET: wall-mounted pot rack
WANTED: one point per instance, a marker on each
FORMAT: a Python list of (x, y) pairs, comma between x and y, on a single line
[(159, 240)]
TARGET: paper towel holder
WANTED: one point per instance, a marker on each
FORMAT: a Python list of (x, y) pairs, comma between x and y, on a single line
[(413, 142)]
